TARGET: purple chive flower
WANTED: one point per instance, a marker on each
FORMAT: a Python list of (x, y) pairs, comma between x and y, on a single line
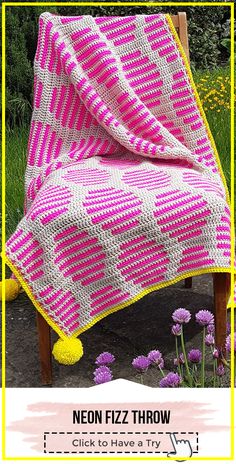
[(176, 330), (102, 374), (155, 357), (194, 356), (181, 316), (228, 328), (220, 371), (215, 353), (105, 358), (234, 341), (180, 360), (204, 317), (172, 380), (211, 328), (228, 343), (209, 340), (101, 369), (141, 363)]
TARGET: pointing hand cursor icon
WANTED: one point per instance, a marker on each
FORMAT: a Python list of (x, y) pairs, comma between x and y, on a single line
[(182, 449)]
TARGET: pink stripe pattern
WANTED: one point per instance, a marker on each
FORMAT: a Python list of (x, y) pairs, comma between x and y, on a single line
[(143, 262), (87, 176), (119, 31), (53, 203), (62, 307), (199, 181), (121, 218), (79, 257), (29, 253), (147, 179), (181, 214), (106, 297), (223, 235), (139, 71), (193, 257)]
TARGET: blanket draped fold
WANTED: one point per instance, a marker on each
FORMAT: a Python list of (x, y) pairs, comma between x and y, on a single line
[(124, 192)]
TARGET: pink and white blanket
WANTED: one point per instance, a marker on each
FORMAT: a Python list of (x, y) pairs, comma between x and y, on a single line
[(124, 192)]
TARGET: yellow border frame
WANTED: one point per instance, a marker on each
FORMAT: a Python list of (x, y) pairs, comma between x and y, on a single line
[(5, 260)]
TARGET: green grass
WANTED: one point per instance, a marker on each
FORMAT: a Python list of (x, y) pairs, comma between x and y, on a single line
[(16, 144), (220, 128), (214, 91), (218, 118)]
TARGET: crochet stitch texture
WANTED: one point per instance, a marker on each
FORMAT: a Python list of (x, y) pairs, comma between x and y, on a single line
[(124, 192)]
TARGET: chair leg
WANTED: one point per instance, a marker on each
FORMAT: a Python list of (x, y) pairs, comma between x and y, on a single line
[(188, 282), (44, 337), (220, 282)]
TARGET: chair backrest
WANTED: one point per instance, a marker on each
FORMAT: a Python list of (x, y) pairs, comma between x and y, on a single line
[(181, 26)]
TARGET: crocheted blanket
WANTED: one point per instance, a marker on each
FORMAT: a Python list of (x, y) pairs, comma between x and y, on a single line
[(124, 192)]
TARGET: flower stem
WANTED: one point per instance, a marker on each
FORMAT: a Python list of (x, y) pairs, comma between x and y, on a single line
[(185, 358), (214, 373), (177, 355), (162, 373), (203, 358), (141, 378), (214, 370)]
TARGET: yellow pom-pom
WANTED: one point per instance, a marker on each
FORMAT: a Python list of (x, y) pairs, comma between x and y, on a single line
[(68, 351), (12, 289)]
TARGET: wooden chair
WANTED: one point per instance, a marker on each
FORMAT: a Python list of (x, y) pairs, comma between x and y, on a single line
[(220, 280)]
